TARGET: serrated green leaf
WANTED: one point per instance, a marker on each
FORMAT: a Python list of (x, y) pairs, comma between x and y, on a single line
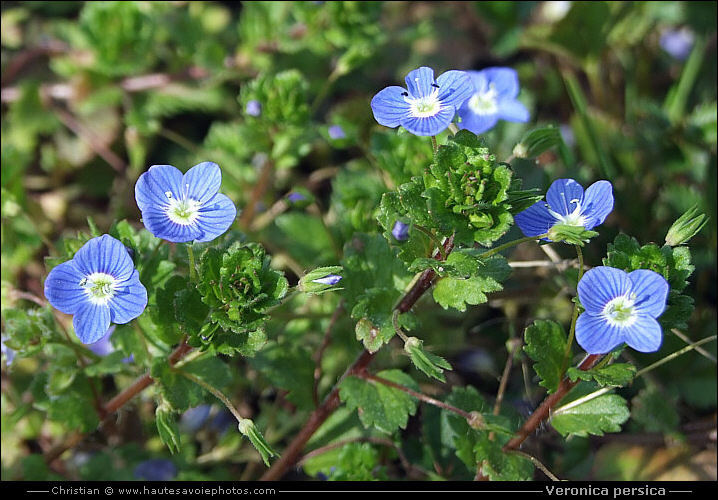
[(460, 292), (499, 465), (247, 428), (432, 365), (595, 416), (615, 375), (546, 345), (380, 406), (167, 427)]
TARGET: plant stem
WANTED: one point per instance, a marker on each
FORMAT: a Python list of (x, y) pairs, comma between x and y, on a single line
[(501, 248), (417, 395), (292, 453)]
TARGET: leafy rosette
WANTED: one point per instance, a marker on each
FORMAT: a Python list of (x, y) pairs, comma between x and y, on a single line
[(465, 192), (239, 286)]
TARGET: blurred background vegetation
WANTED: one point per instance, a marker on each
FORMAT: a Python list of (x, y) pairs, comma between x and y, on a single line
[(93, 93)]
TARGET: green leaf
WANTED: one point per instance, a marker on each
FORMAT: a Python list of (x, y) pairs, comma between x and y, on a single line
[(357, 462), (459, 292), (167, 427), (546, 345), (537, 141), (593, 416), (499, 465), (432, 365), (288, 367), (655, 411), (380, 406), (177, 391), (615, 375), (247, 428)]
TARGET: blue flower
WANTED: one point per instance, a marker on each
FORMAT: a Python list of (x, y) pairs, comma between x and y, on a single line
[(253, 108), (400, 231), (567, 204), (429, 105), (336, 132), (677, 42), (331, 279), (156, 469), (620, 307), (7, 352), (187, 207), (493, 98), (99, 286)]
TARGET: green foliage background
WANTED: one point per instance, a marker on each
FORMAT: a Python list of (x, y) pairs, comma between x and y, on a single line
[(93, 93)]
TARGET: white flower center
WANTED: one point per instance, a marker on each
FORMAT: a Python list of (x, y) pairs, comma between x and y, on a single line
[(620, 310), (485, 102), (422, 107), (575, 218), (182, 211), (99, 287)]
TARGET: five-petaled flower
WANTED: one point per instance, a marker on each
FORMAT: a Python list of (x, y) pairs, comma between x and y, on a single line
[(99, 286), (620, 307), (493, 99), (567, 204), (427, 106), (181, 208)]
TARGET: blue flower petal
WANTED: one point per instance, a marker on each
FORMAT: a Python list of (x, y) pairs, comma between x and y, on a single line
[(535, 220), (513, 111), (429, 125), (104, 254), (419, 82), (91, 322), (203, 181), (561, 193), (215, 217), (651, 292), (597, 203), (129, 300), (389, 106), (62, 288), (596, 336), (505, 80), (645, 335), (478, 124), (454, 88), (600, 285), (152, 186)]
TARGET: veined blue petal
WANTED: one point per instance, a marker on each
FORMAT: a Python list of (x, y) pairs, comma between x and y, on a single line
[(202, 181), (505, 81), (429, 125), (152, 187), (651, 291), (561, 193), (535, 220), (600, 285), (104, 254), (91, 322), (644, 335), (215, 217), (420, 82), (513, 111), (129, 301), (62, 288), (597, 203), (455, 87), (389, 106), (158, 223), (596, 336)]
